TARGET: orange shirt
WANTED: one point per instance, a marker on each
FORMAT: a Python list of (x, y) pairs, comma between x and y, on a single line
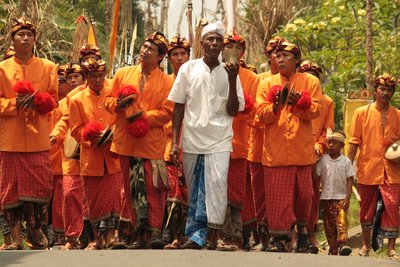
[(323, 122), (367, 133), (153, 100), (256, 131), (249, 82), (25, 130), (87, 107), (288, 138), (56, 150)]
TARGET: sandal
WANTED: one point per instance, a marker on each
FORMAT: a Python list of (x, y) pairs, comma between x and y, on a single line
[(190, 244), (303, 245), (157, 242), (116, 245), (345, 251), (393, 256), (70, 245), (14, 246), (173, 245), (222, 246), (139, 244), (276, 246), (259, 248)]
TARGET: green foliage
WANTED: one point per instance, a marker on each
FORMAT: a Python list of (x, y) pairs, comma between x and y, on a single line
[(333, 34)]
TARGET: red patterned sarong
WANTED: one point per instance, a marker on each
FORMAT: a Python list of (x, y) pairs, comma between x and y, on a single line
[(258, 189), (288, 193), (314, 213), (177, 191), (390, 220), (237, 182), (103, 194), (127, 212), (248, 213), (57, 205), (156, 197), (73, 204), (25, 176)]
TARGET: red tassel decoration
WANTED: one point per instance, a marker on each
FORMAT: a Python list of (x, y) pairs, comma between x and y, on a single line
[(44, 103), (272, 93), (249, 104), (92, 130), (126, 90), (304, 102), (24, 88), (139, 128)]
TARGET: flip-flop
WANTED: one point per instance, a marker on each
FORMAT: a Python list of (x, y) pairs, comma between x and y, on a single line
[(222, 246), (173, 245)]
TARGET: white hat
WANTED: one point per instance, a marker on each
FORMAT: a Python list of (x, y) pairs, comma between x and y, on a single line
[(393, 151), (213, 27)]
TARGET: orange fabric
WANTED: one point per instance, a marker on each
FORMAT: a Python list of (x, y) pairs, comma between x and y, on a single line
[(366, 132), (158, 110), (56, 150), (249, 82), (85, 107), (25, 130), (288, 137), (256, 131), (323, 122)]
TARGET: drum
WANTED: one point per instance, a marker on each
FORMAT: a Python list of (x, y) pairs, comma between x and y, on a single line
[(71, 147), (393, 152)]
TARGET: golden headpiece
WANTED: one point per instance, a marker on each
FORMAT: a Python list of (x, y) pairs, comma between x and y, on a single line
[(74, 68), (178, 42), (92, 65), (386, 80), (272, 44), (234, 37), (309, 65), (89, 49), (160, 40), (62, 70), (9, 52), (22, 23)]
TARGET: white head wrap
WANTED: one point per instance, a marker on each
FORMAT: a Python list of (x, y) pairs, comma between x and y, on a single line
[(213, 27), (334, 135)]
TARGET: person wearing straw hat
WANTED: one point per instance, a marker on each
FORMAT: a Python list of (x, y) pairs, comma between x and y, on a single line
[(207, 94), (288, 150), (139, 99), (101, 171), (240, 206), (176, 211), (28, 92), (374, 128), (320, 126)]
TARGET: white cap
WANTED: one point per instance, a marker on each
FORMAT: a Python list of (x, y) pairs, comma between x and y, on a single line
[(213, 27)]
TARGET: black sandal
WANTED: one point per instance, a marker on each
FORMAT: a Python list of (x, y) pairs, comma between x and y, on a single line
[(303, 245)]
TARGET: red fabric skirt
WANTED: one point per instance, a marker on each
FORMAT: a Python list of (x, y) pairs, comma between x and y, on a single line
[(57, 205), (127, 211), (248, 213), (237, 182), (390, 220), (177, 191), (73, 204), (103, 195), (25, 176), (288, 193), (156, 198), (258, 189), (314, 213)]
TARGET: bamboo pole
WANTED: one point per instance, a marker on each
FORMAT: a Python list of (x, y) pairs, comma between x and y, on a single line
[(369, 45), (190, 23)]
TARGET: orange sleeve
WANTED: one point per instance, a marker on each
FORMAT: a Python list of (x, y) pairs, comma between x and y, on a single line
[(76, 121), (8, 106), (53, 88), (264, 112), (329, 120), (355, 130)]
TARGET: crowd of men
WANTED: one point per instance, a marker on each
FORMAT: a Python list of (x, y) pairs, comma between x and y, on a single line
[(212, 156)]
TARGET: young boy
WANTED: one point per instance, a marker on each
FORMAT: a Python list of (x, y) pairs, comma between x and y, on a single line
[(336, 173)]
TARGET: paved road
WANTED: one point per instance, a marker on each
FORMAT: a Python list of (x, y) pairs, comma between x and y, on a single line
[(181, 258)]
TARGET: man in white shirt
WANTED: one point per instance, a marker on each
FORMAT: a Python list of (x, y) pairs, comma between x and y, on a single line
[(207, 95)]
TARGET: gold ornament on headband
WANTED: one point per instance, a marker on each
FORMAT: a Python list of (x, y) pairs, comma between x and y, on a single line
[(62, 70), (9, 53), (284, 45), (179, 42), (309, 65), (22, 23), (159, 39), (272, 44), (330, 135), (89, 49), (386, 80), (92, 65), (74, 68), (235, 38)]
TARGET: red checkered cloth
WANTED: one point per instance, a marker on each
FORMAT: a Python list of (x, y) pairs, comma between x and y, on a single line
[(177, 191), (127, 212), (237, 182), (25, 176), (57, 205), (257, 185), (314, 213), (248, 213), (73, 203), (103, 194), (390, 220), (288, 193), (156, 198)]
